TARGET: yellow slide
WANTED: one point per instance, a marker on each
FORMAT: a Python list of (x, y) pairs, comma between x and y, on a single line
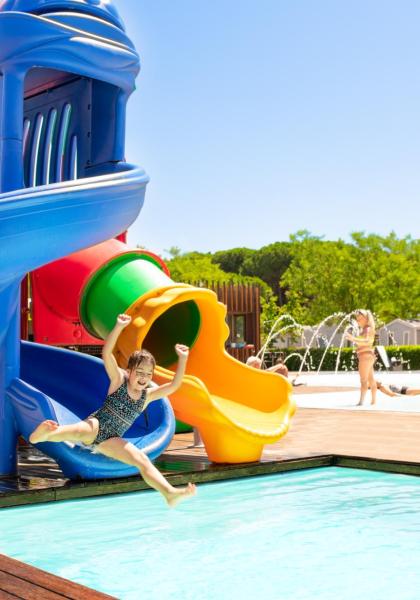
[(237, 409)]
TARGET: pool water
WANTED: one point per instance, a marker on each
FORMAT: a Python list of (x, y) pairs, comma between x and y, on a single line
[(324, 534)]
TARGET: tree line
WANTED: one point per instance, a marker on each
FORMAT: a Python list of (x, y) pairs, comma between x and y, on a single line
[(310, 278)]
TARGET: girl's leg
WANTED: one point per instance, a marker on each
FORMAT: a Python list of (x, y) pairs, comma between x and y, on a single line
[(412, 392), (364, 369), (50, 431), (372, 382), (127, 453)]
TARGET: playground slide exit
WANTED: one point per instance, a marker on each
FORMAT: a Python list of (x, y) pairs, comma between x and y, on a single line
[(237, 409)]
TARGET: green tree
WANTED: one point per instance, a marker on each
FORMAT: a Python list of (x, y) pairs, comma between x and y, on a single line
[(174, 251), (231, 261), (199, 269), (268, 263), (393, 267), (379, 273)]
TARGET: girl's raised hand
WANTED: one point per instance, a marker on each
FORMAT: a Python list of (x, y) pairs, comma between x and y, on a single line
[(123, 320), (182, 350)]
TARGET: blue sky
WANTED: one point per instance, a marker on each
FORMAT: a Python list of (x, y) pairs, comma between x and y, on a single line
[(255, 120)]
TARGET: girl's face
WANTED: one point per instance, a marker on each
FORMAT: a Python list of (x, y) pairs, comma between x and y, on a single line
[(140, 377), (361, 320)]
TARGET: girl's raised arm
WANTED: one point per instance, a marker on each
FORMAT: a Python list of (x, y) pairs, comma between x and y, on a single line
[(115, 373), (169, 388)]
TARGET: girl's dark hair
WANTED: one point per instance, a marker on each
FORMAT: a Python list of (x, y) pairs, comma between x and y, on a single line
[(138, 357)]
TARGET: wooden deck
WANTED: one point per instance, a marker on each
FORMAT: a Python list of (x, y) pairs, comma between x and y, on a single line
[(382, 435), (19, 580)]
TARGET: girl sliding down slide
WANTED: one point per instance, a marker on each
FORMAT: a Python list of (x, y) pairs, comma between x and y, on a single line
[(128, 396)]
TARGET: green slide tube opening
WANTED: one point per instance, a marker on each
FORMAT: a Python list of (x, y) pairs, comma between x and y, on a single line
[(180, 324), (120, 283)]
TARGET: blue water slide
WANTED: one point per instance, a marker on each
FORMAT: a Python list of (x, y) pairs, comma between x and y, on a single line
[(67, 69), (39, 225), (67, 386), (44, 223)]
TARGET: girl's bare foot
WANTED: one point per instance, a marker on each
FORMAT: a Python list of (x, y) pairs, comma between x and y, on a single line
[(179, 494), (42, 432)]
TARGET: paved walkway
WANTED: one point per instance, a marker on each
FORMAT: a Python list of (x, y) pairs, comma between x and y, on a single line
[(341, 391)]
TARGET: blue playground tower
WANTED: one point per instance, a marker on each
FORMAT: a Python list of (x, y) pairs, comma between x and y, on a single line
[(67, 69)]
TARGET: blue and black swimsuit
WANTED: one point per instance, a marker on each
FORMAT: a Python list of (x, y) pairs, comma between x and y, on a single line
[(118, 413)]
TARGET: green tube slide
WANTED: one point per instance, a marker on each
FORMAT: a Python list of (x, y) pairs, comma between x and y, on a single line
[(118, 285)]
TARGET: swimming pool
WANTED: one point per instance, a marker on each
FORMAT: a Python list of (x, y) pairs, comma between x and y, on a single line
[(327, 533)]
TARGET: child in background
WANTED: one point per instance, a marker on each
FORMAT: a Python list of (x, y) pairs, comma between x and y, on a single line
[(397, 390), (254, 362), (128, 396), (280, 366), (365, 352)]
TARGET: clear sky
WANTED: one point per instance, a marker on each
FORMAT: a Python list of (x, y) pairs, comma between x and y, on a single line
[(257, 119)]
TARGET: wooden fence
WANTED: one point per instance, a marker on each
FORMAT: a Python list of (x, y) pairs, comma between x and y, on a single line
[(243, 307)]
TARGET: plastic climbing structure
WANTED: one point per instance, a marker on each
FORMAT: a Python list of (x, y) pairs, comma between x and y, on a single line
[(67, 71)]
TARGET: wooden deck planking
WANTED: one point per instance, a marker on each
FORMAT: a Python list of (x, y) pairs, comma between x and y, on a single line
[(20, 580), (383, 435)]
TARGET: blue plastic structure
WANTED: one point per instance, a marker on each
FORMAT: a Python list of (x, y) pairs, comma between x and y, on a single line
[(67, 70)]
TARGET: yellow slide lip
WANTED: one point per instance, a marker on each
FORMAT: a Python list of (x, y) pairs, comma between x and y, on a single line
[(236, 408)]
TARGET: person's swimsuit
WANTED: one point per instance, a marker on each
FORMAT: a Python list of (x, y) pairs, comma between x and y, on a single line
[(117, 414), (368, 347), (398, 389)]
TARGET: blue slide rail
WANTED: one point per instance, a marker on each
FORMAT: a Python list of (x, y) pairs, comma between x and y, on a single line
[(67, 69)]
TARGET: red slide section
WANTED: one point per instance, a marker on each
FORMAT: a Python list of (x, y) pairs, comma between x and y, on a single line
[(57, 289)]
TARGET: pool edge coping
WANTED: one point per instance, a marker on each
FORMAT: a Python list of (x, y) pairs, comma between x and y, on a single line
[(90, 489)]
